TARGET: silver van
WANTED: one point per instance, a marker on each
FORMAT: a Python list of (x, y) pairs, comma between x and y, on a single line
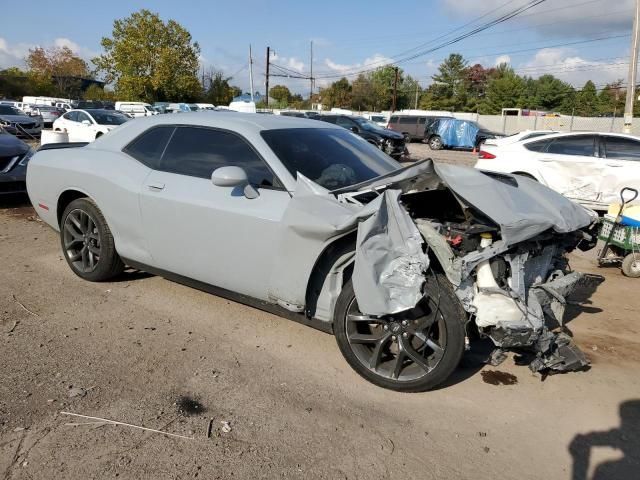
[(411, 126)]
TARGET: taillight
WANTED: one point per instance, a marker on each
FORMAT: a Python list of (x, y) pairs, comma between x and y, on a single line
[(484, 155)]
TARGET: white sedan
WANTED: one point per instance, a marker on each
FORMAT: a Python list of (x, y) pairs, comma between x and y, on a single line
[(588, 167), (87, 125)]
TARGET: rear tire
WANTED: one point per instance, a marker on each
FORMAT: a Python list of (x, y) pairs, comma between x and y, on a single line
[(407, 138), (87, 242), (412, 351), (435, 143)]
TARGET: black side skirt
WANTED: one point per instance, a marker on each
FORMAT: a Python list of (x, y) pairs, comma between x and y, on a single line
[(275, 309)]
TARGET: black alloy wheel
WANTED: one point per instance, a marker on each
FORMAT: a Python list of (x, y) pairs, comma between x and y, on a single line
[(87, 242), (411, 351)]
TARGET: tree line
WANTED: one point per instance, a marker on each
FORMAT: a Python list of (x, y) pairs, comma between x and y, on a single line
[(144, 59), (148, 59), (458, 86)]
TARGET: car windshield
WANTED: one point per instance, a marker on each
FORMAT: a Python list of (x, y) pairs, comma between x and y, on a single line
[(7, 110), (379, 118), (47, 109), (333, 158), (368, 125), (103, 117)]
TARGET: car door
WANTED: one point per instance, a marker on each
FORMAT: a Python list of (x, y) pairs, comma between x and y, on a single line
[(67, 121), (347, 123), (209, 233), (621, 156), (570, 166), (82, 132)]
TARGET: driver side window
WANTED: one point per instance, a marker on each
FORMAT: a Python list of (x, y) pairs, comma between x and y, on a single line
[(197, 152), (71, 116), (345, 122), (82, 117)]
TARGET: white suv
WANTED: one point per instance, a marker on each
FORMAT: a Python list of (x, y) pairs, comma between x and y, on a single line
[(589, 167)]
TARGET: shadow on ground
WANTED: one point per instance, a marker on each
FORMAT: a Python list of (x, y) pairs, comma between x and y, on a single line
[(625, 438)]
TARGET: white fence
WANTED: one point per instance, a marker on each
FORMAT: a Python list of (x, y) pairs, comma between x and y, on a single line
[(513, 124)]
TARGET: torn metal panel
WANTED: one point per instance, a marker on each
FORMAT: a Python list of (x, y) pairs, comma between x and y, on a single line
[(441, 250), (389, 264), (593, 181)]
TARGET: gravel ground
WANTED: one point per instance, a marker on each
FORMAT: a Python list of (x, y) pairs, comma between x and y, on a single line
[(419, 151), (152, 353)]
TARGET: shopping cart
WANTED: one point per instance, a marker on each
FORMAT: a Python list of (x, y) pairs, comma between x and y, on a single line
[(621, 238)]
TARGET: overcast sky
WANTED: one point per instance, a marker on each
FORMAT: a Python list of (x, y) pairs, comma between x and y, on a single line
[(555, 37)]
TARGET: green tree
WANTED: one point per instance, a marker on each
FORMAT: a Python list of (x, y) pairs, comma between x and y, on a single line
[(280, 94), (219, 91), (149, 59), (362, 93), (586, 100), (14, 83), (505, 90), (450, 85), (611, 99), (409, 90), (96, 92), (338, 94), (550, 93)]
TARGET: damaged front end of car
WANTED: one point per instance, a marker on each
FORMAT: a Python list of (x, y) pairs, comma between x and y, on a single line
[(502, 242)]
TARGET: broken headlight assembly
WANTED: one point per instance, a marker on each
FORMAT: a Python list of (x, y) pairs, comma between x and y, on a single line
[(27, 156)]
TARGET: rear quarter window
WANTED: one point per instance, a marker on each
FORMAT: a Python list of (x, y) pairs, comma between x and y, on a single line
[(148, 147), (539, 146)]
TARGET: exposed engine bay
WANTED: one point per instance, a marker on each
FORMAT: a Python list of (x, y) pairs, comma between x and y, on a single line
[(514, 292)]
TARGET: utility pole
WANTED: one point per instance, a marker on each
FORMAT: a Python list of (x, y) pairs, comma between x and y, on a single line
[(633, 67), (251, 72), (395, 89), (417, 89), (266, 81), (311, 75)]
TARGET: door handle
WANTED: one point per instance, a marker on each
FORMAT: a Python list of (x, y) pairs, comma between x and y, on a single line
[(546, 159), (614, 165), (155, 187)]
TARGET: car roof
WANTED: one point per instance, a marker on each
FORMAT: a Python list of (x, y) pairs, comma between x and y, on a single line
[(569, 134), (247, 124)]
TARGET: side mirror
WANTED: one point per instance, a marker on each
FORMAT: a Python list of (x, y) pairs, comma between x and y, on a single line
[(86, 122), (232, 176), (355, 129)]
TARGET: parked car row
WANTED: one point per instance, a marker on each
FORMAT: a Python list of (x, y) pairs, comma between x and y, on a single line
[(441, 131), (18, 123)]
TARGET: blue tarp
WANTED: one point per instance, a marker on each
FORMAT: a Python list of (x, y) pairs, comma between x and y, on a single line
[(458, 133)]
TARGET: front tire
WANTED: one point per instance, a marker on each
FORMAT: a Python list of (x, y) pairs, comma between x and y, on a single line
[(87, 242), (435, 143), (412, 351)]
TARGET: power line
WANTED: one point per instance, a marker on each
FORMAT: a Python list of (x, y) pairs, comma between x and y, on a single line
[(406, 56)]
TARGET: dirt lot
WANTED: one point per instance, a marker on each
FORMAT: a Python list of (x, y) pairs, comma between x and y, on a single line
[(148, 352)]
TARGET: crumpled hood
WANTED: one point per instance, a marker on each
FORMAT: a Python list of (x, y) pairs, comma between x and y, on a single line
[(521, 207), (390, 134), (10, 145)]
